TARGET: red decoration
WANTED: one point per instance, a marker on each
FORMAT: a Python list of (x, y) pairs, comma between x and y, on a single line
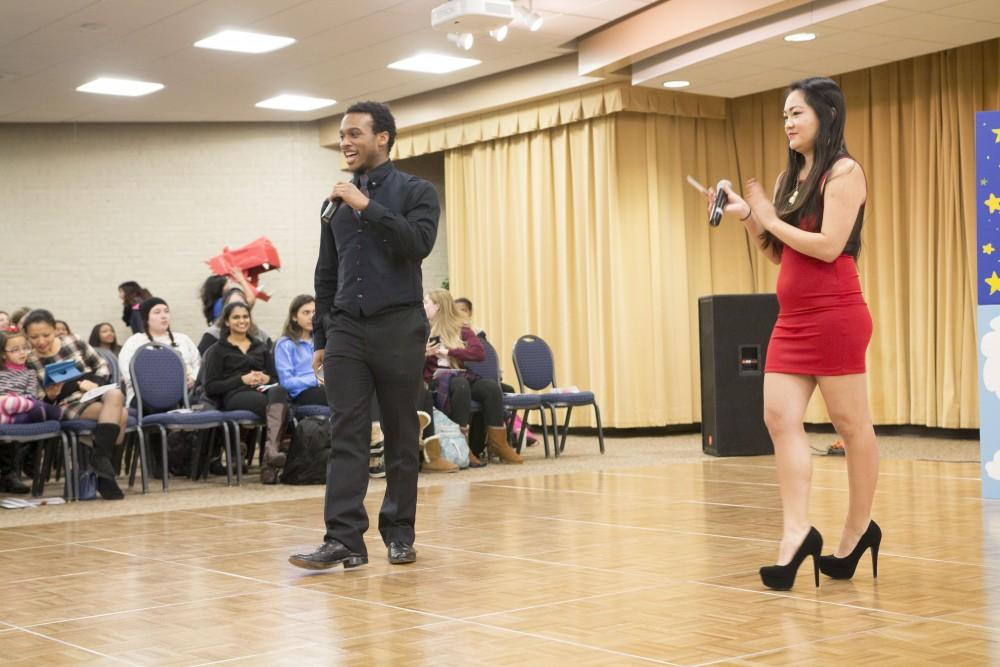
[(251, 260)]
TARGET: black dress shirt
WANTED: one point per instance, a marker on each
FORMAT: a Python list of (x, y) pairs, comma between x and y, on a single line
[(370, 262)]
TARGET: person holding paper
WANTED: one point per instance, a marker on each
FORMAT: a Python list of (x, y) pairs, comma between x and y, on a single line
[(108, 409)]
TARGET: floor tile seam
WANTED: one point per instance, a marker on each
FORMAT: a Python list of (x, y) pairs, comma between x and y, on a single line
[(556, 603), (943, 618), (591, 568), (777, 594), (569, 642), (165, 605), (728, 464), (618, 493), (63, 642), (603, 494), (810, 642), (37, 546), (739, 505), (648, 529), (256, 655), (172, 534)]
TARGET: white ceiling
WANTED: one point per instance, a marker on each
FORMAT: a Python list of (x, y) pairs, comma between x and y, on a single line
[(49, 47), (886, 32)]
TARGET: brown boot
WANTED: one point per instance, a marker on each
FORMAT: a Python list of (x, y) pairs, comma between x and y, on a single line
[(433, 461), (496, 444), (277, 419), (423, 419)]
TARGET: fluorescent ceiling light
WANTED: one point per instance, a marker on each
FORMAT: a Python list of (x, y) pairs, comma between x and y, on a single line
[(800, 37), (295, 103), (244, 42), (433, 63), (129, 88), (680, 83)]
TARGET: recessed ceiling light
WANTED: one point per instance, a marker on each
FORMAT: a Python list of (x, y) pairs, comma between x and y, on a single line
[(679, 83), (244, 42), (295, 103), (126, 87), (800, 37), (433, 63)]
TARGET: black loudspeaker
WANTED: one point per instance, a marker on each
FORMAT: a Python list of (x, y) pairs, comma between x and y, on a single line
[(734, 331)]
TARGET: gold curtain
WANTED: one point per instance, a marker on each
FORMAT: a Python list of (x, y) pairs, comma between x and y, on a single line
[(585, 234)]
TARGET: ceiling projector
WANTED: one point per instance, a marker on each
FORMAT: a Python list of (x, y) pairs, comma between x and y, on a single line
[(468, 16)]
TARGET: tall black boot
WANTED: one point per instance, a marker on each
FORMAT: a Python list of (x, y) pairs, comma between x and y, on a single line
[(104, 447), (277, 418)]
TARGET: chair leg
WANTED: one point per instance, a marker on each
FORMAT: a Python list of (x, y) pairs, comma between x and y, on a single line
[(144, 461), (600, 429), (38, 480), (545, 430), (68, 467), (165, 466), (229, 454), (565, 429)]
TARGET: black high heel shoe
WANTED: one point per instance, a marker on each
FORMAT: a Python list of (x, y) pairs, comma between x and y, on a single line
[(781, 577), (843, 568)]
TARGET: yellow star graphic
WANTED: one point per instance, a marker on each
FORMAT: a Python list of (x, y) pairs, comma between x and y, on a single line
[(994, 283), (997, 132), (988, 249), (994, 203), (982, 181)]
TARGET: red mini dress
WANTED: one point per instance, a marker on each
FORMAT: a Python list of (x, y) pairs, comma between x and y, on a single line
[(824, 324)]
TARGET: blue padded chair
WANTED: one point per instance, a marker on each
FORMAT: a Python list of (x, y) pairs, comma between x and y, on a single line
[(535, 370), (303, 411), (112, 361), (489, 368), (160, 383), (39, 433)]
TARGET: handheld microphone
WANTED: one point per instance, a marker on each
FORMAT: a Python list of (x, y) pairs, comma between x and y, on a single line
[(721, 199), (330, 207)]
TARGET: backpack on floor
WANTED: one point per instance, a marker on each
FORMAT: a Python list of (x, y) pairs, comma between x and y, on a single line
[(454, 448), (308, 453)]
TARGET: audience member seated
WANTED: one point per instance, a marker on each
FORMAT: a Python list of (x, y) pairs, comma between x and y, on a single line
[(240, 375), (154, 313), (211, 335), (293, 354), (5, 322), (453, 387), (18, 315), (104, 336), (108, 409), (19, 403), (464, 308), (132, 294), (62, 329)]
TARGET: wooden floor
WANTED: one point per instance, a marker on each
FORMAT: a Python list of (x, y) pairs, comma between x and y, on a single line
[(653, 565)]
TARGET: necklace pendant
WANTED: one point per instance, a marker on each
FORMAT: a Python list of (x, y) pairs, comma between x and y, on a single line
[(791, 200)]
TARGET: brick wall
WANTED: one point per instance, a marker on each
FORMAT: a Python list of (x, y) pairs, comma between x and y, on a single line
[(86, 207)]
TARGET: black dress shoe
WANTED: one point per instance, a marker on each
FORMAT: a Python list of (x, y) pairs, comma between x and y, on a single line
[(328, 555), (401, 553)]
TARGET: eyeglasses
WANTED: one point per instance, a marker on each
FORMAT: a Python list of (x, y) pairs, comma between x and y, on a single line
[(15, 350)]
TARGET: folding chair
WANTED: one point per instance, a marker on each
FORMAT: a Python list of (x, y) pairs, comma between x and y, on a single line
[(40, 433), (160, 383), (535, 370), (489, 368)]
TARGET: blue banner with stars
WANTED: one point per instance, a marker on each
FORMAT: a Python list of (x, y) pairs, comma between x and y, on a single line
[(988, 205), (988, 312)]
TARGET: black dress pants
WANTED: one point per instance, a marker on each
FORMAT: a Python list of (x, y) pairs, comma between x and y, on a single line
[(382, 355)]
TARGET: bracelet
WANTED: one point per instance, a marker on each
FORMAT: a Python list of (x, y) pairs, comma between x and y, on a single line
[(749, 213)]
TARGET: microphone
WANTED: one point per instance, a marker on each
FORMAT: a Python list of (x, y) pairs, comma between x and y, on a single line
[(330, 207), (721, 199)]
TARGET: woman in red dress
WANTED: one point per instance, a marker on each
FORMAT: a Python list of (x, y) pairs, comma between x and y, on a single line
[(812, 229)]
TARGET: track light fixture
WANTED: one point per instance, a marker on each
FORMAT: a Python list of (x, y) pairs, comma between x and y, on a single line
[(463, 40)]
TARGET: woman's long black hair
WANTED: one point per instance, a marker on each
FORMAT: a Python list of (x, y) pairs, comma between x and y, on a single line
[(826, 99)]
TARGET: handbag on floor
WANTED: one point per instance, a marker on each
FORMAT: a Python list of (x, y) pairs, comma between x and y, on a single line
[(454, 447)]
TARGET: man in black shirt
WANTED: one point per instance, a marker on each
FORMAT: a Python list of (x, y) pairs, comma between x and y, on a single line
[(370, 337)]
